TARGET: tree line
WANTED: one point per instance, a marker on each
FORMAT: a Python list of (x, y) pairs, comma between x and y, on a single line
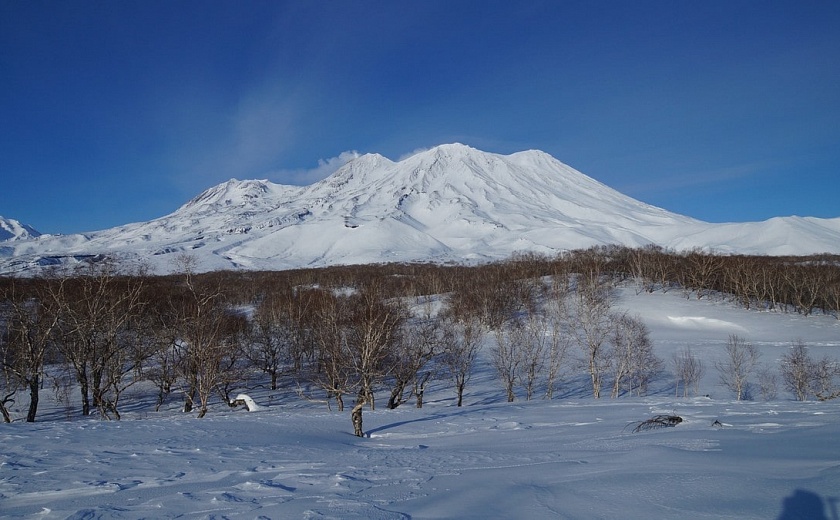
[(358, 331)]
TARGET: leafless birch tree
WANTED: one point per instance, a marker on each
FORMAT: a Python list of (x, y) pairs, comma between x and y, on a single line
[(507, 355), (689, 370), (593, 301), (411, 356), (462, 342), (633, 360), (29, 320), (739, 363), (805, 376)]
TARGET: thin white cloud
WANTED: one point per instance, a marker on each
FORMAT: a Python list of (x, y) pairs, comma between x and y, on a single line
[(263, 127), (212, 141), (306, 176), (412, 153), (685, 180)]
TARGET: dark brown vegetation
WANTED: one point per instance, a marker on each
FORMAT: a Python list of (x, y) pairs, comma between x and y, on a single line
[(355, 330), (657, 422)]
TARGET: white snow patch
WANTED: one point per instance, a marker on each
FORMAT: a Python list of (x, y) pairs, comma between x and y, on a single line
[(701, 322), (247, 401)]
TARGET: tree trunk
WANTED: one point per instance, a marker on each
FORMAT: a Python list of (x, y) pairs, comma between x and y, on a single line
[(596, 379), (112, 406), (85, 396), (366, 393), (5, 411), (420, 389), (34, 386), (189, 399), (396, 398), (163, 392), (98, 392), (616, 389), (511, 396)]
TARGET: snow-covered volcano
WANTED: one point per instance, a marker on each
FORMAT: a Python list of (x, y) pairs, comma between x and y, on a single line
[(449, 203), (11, 229)]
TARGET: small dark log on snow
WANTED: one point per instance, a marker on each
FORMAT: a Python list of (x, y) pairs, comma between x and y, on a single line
[(660, 421)]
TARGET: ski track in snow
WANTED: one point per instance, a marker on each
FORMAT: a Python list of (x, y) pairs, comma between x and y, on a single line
[(414, 460)]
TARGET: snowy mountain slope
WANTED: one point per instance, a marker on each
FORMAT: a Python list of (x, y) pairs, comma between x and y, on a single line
[(776, 236), (11, 229), (449, 203)]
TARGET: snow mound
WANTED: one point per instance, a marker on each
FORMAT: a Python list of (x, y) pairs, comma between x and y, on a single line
[(247, 401)]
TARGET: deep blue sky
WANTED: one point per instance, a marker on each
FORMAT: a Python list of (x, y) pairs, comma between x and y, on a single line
[(117, 112)]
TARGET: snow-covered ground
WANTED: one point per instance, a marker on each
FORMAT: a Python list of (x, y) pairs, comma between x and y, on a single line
[(571, 457)]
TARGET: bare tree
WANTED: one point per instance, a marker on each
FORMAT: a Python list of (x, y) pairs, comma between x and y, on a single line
[(371, 336), (633, 360), (272, 338), (621, 351), (536, 348), (29, 320), (508, 355), (207, 345), (9, 381), (768, 384), (235, 367), (645, 366), (798, 369), (462, 343), (428, 370), (741, 360), (162, 368), (592, 327), (689, 370), (334, 366), (702, 272), (805, 376), (660, 265), (123, 369), (558, 331), (10, 385), (300, 306), (97, 305), (825, 379), (411, 356), (832, 295)]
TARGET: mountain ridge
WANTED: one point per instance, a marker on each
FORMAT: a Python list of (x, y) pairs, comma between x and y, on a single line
[(11, 229), (451, 203)]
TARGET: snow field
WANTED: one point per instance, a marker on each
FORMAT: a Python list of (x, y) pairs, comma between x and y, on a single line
[(571, 457)]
